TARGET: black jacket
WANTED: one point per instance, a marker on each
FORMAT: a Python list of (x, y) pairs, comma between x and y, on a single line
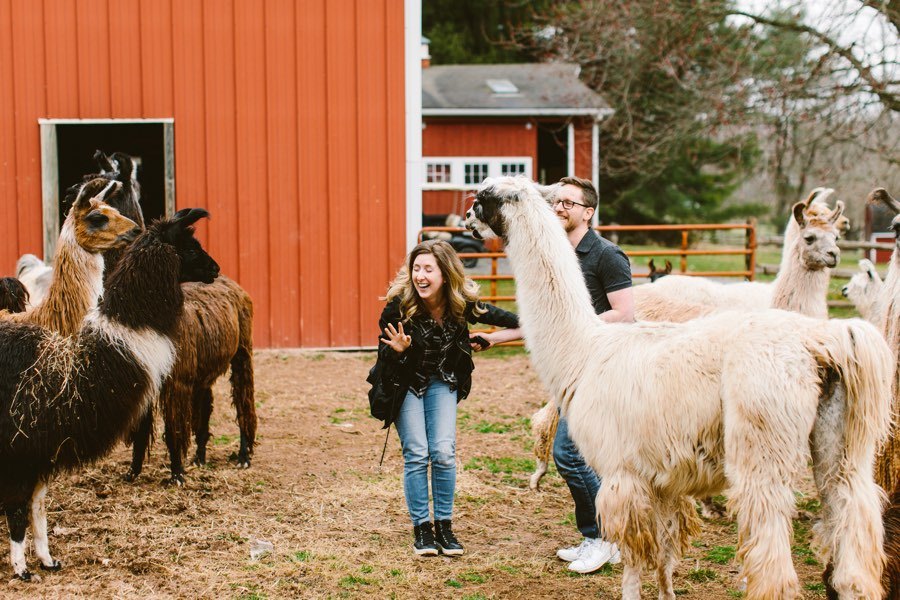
[(391, 376)]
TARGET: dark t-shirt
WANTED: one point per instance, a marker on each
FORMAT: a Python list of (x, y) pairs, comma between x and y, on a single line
[(606, 268)]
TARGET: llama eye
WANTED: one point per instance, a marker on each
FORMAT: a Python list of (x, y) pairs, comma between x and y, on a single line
[(97, 219), (809, 238)]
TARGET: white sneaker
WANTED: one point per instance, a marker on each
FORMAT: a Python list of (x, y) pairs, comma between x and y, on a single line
[(594, 554), (615, 556), (572, 552)]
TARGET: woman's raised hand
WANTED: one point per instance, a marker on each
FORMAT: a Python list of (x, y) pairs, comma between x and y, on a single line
[(396, 339)]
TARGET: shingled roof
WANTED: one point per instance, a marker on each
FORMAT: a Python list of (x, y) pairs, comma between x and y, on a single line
[(536, 89)]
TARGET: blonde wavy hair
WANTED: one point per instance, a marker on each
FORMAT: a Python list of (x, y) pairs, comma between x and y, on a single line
[(458, 289)]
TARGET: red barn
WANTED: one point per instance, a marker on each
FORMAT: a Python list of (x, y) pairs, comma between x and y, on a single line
[(297, 124), (539, 120)]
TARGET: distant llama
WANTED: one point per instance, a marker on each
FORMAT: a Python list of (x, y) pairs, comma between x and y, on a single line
[(66, 401), (864, 290), (215, 334), (750, 400), (35, 276)]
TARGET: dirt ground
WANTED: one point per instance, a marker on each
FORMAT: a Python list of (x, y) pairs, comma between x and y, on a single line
[(336, 519)]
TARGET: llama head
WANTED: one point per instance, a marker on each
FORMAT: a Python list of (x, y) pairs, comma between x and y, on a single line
[(13, 295), (496, 199), (96, 225), (819, 232), (863, 285), (881, 195), (657, 273), (121, 167), (178, 232)]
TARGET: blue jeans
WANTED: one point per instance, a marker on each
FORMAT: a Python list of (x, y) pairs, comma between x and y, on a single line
[(582, 481), (427, 429)]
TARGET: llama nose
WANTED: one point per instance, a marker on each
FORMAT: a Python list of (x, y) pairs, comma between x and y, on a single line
[(844, 291)]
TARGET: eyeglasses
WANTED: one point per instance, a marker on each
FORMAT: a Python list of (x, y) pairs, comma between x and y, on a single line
[(568, 204)]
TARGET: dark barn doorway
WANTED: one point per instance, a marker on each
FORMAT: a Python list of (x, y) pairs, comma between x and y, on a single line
[(76, 144), (553, 152)]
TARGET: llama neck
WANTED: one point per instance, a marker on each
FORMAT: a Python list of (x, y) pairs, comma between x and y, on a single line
[(800, 290), (144, 291), (887, 307), (76, 285), (791, 235), (554, 305)]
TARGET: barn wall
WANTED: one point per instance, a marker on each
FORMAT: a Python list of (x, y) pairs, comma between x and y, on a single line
[(289, 127), (583, 162), (454, 137)]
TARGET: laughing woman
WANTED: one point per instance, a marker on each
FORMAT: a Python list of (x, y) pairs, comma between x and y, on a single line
[(424, 369)]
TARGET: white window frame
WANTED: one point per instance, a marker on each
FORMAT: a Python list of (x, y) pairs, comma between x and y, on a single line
[(458, 169)]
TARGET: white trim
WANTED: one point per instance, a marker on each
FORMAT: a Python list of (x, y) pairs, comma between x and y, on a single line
[(103, 121), (570, 149), (457, 169), (412, 18), (599, 113), (595, 164)]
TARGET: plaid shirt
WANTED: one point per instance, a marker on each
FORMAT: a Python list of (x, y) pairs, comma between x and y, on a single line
[(437, 341)]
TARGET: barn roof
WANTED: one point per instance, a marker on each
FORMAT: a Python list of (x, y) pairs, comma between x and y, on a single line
[(511, 89)]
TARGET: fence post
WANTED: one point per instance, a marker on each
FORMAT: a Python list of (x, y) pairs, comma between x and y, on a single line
[(750, 259), (684, 246)]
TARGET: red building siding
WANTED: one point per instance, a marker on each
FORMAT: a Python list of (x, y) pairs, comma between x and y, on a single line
[(583, 133), (473, 137), (289, 125)]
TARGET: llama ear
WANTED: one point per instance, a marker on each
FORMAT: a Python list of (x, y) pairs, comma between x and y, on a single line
[(866, 266), (103, 161), (188, 216), (127, 165), (668, 267), (799, 215), (651, 266), (838, 211)]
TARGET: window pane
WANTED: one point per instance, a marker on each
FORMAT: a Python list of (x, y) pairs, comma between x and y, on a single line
[(475, 173), (512, 169), (437, 173)]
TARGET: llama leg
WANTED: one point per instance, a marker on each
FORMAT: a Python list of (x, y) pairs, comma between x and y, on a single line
[(140, 441), (17, 521), (851, 529), (676, 523), (631, 581), (242, 396), (540, 469), (176, 403), (624, 513), (39, 528), (203, 404), (760, 463)]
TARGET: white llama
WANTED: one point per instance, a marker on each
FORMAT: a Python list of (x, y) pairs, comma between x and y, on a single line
[(748, 401), (864, 290)]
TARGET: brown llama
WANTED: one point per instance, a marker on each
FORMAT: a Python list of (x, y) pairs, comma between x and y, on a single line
[(91, 227), (13, 295), (65, 401), (215, 333)]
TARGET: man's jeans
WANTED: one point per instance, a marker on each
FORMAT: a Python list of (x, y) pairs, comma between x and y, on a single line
[(582, 481), (427, 429)]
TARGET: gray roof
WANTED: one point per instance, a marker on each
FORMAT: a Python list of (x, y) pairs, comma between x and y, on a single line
[(543, 89)]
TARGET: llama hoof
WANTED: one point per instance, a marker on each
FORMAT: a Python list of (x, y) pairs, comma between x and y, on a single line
[(199, 462), (244, 464), (176, 480), (24, 576), (130, 476), (55, 566)]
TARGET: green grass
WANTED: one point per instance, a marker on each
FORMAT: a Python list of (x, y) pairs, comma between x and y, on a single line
[(301, 556), (473, 577), (721, 555), (352, 581), (702, 575), (505, 465)]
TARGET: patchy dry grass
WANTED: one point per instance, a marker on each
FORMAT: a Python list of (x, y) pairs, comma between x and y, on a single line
[(337, 520)]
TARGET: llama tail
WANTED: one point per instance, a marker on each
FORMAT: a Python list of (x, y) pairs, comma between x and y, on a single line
[(242, 392), (852, 421)]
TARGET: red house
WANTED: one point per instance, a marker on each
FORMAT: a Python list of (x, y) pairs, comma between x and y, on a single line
[(538, 120)]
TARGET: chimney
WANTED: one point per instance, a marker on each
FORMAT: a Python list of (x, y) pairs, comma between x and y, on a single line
[(426, 56)]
